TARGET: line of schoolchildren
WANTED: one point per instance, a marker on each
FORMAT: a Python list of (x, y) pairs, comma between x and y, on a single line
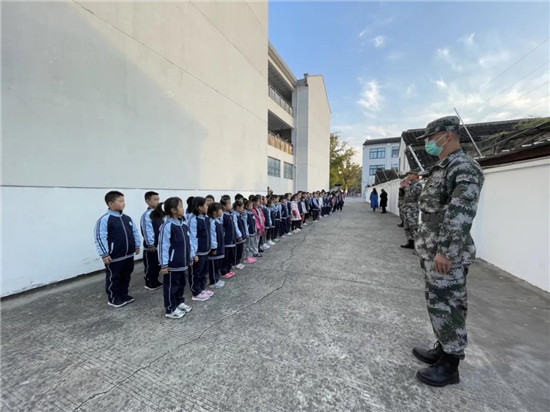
[(206, 241)]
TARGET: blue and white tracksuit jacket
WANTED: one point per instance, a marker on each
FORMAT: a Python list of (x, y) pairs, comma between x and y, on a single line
[(174, 248), (116, 236)]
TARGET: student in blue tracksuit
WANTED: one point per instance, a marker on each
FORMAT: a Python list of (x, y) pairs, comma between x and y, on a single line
[(273, 213), (117, 241), (230, 238), (315, 207), (200, 237), (268, 224), (237, 212), (150, 232), (174, 254), (252, 242), (217, 247)]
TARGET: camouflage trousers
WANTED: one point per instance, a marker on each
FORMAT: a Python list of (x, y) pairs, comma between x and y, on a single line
[(447, 303), (401, 214), (410, 221)]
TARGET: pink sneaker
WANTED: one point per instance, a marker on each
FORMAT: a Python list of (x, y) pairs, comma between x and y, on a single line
[(207, 292), (228, 275), (250, 260)]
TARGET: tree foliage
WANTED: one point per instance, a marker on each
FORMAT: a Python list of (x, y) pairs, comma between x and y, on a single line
[(342, 168)]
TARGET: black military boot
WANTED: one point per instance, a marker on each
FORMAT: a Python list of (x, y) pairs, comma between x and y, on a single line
[(400, 224), (430, 356), (408, 245), (442, 373)]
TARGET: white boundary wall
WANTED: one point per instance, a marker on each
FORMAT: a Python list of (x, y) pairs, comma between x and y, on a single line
[(512, 226)]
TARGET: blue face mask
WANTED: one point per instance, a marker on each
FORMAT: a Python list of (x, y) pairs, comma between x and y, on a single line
[(432, 148)]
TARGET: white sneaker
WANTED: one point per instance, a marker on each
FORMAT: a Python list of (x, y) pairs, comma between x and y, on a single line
[(305, 224), (176, 314), (240, 266), (265, 246), (271, 243), (218, 285), (186, 308), (289, 234)]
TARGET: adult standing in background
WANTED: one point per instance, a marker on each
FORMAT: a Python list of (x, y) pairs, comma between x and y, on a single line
[(374, 200), (410, 208), (383, 200), (400, 198), (449, 204)]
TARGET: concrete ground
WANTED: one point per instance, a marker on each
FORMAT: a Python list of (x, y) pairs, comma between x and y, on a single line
[(325, 322)]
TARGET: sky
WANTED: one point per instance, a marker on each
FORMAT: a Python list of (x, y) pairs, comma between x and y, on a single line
[(394, 66)]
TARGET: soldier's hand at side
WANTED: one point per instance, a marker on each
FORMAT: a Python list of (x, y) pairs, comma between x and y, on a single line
[(442, 264)]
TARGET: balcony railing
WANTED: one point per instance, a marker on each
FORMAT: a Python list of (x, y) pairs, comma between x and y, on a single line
[(278, 143), (277, 98)]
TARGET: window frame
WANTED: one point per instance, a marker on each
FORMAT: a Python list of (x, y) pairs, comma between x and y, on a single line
[(270, 167), (377, 153)]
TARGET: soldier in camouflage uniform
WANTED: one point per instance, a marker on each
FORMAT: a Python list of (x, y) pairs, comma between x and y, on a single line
[(448, 204), (410, 208), (400, 198)]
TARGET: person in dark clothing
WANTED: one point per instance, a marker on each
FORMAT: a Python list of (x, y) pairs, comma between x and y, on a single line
[(383, 200), (374, 200)]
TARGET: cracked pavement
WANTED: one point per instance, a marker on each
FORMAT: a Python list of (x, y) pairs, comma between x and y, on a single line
[(325, 322)]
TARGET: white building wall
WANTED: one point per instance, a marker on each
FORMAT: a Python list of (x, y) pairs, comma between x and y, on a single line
[(388, 161), (512, 226), (128, 96), (280, 185), (312, 135), (319, 135)]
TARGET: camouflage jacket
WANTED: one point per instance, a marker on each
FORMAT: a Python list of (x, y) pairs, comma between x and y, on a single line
[(412, 195), (450, 196)]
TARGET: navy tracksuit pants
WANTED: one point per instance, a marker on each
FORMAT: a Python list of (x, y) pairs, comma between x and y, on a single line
[(117, 279), (173, 287), (214, 270), (198, 275), (151, 268)]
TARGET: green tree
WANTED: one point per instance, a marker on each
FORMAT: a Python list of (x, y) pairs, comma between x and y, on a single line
[(342, 168)]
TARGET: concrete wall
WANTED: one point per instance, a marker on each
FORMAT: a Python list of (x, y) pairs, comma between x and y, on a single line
[(128, 96), (312, 135), (512, 226)]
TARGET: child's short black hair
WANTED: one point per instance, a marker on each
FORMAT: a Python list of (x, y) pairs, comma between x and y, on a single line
[(112, 196), (237, 204), (150, 194), (189, 202), (238, 196), (248, 202), (197, 202), (213, 208), (210, 197)]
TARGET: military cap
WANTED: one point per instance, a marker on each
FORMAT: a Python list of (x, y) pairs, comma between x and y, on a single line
[(444, 124)]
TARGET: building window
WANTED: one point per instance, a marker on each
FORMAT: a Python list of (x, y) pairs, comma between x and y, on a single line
[(273, 167), (374, 168), (288, 171), (395, 166), (395, 151), (378, 153)]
